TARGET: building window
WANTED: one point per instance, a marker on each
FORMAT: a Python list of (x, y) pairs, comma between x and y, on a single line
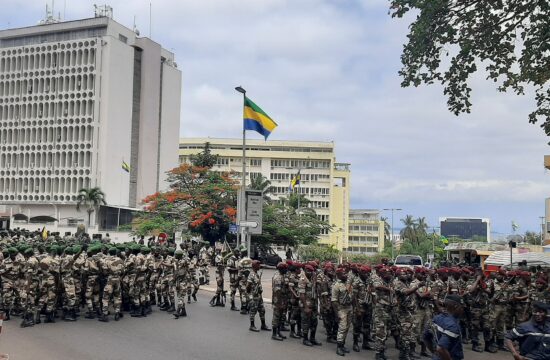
[(255, 162), (123, 38)]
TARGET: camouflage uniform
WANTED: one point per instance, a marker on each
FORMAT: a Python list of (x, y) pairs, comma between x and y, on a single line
[(480, 315), (341, 299), (360, 318), (324, 291), (308, 305), (67, 283), (500, 310), (91, 268), (233, 278), (166, 280), (181, 276), (254, 285), (278, 299), (78, 269), (424, 311), (49, 271), (383, 306), (140, 293), (294, 305), (192, 280), (406, 309), (9, 272), (243, 279), (32, 283), (114, 267)]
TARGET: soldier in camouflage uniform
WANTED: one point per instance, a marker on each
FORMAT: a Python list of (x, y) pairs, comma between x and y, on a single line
[(324, 291), (78, 270), (539, 292), (49, 267), (520, 297), (92, 269), (424, 311), (439, 289), (501, 306), (341, 299), (478, 296), (192, 279), (406, 295), (384, 303), (166, 281), (217, 300), (31, 286), (360, 299), (181, 274), (254, 289), (278, 301), (114, 268), (244, 270), (308, 305), (9, 272), (232, 269), (294, 302), (67, 284)]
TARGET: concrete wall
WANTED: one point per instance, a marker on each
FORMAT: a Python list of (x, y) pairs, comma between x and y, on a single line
[(115, 116)]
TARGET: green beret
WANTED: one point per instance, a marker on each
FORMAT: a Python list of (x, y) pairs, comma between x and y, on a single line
[(171, 250), (29, 251), (12, 250), (113, 250), (145, 250), (179, 252), (77, 249), (5, 253)]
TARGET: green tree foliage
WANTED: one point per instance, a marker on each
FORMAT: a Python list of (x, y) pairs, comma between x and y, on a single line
[(450, 40), (409, 230), (205, 158), (286, 226), (316, 252), (532, 238), (423, 246), (262, 184), (154, 224), (91, 199)]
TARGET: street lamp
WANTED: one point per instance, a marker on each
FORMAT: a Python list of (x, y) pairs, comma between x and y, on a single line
[(392, 210)]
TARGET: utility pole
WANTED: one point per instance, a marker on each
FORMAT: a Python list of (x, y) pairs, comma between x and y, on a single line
[(391, 240), (542, 230)]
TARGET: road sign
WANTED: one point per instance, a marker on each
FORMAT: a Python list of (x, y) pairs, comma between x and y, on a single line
[(249, 224), (233, 228), (254, 207)]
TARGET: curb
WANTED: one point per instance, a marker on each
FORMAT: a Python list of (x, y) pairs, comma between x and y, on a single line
[(213, 290)]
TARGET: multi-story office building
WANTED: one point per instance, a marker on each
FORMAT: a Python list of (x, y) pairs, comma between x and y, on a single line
[(465, 228), (325, 182), (366, 232), (77, 98)]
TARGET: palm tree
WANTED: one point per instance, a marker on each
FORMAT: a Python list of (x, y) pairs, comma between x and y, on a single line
[(91, 199), (409, 231), (387, 228), (262, 184), (421, 226)]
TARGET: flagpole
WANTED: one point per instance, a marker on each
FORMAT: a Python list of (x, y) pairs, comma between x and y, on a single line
[(242, 213)]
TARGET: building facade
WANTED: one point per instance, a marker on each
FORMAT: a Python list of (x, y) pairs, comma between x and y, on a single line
[(325, 182), (78, 98), (466, 228), (365, 232)]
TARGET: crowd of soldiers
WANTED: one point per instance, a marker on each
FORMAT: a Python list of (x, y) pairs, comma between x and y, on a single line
[(43, 277), (382, 301)]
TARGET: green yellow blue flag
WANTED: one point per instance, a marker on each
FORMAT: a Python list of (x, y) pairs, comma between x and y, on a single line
[(125, 166), (295, 180), (256, 119)]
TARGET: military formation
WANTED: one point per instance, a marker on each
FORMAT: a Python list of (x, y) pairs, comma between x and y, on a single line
[(46, 277), (399, 302)]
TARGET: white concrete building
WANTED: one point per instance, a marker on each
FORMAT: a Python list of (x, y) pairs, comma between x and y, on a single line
[(78, 98)]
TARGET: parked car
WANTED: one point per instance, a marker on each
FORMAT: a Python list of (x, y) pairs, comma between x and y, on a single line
[(265, 254), (410, 261)]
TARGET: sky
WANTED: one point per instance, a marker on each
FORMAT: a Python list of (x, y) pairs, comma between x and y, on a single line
[(327, 70)]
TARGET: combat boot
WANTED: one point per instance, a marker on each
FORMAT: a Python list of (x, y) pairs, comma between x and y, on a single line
[(103, 318), (346, 350), (27, 321), (7, 315), (476, 347), (183, 312), (305, 339), (312, 338), (356, 343), (253, 327), (279, 332), (172, 308), (90, 315), (423, 351), (49, 318), (340, 349), (276, 335), (366, 345), (330, 339), (380, 356), (143, 310), (177, 314), (136, 311), (244, 309), (293, 332), (403, 354), (233, 307), (148, 308), (189, 299), (37, 319), (194, 295), (412, 352), (70, 315), (214, 300), (490, 347), (264, 326), (117, 316)]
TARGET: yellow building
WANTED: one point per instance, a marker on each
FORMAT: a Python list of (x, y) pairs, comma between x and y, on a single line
[(366, 232), (324, 182)]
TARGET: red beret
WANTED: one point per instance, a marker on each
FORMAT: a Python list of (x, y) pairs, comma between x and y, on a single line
[(419, 270), (341, 271), (502, 272), (313, 264), (309, 268), (378, 266), (443, 271), (365, 269), (290, 262), (541, 281), (282, 266)]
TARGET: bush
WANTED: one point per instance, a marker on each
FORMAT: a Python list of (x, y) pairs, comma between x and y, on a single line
[(316, 252), (364, 259)]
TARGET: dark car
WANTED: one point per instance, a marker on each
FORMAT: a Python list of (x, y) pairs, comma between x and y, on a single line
[(265, 254)]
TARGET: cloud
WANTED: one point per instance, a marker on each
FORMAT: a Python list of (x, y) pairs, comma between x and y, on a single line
[(327, 70)]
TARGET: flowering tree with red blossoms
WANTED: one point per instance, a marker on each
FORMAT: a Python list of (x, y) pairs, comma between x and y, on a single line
[(199, 200)]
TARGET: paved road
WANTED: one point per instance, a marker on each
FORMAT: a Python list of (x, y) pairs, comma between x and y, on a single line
[(207, 334)]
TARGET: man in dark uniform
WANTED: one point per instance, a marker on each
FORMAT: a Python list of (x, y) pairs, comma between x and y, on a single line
[(443, 335), (533, 336), (279, 298)]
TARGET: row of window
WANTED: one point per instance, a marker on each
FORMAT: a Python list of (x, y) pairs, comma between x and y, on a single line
[(41, 185), (368, 239), (47, 60), (47, 85), (362, 250), (313, 164), (361, 228), (256, 148), (47, 109), (68, 159), (77, 134), (319, 204)]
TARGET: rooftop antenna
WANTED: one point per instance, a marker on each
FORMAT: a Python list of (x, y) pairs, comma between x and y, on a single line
[(50, 17), (64, 9), (150, 19)]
